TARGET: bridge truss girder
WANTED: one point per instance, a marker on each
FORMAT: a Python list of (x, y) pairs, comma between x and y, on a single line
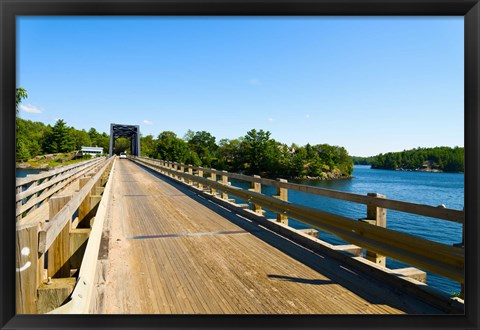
[(128, 131)]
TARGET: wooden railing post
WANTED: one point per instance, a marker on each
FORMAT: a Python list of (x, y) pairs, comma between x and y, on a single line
[(213, 177), (175, 168), (376, 216), (282, 194), (257, 187), (200, 174), (28, 270), (86, 206), (59, 252), (225, 182), (182, 170), (190, 171)]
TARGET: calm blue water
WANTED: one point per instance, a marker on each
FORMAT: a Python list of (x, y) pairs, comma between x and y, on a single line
[(22, 173), (417, 187)]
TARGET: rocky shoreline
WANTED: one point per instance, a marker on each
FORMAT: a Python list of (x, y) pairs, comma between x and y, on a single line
[(44, 162), (26, 166), (336, 174), (327, 178)]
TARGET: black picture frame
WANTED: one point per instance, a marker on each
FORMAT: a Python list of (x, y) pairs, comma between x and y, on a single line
[(9, 9)]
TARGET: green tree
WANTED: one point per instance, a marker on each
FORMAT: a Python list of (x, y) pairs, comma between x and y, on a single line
[(203, 143), (147, 146), (20, 94), (21, 149), (94, 135), (298, 166), (257, 151), (189, 135), (228, 154), (31, 136), (60, 139), (103, 140), (170, 147), (80, 138), (99, 139), (22, 153), (441, 158)]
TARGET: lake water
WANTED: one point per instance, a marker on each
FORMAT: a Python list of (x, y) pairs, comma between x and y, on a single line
[(417, 187), (22, 173)]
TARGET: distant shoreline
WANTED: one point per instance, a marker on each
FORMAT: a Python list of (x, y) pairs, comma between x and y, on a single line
[(430, 170)]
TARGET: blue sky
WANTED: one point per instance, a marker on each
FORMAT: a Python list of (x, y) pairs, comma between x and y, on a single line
[(370, 84)]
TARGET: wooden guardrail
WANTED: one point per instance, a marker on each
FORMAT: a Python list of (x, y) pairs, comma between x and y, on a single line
[(442, 259), (49, 252), (83, 298), (34, 190)]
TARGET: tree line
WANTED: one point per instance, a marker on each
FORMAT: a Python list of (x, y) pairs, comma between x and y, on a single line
[(254, 153), (444, 159), (36, 138)]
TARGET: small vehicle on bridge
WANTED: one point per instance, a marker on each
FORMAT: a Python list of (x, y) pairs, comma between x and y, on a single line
[(123, 155)]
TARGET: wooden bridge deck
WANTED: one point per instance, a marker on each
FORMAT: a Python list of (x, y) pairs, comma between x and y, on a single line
[(168, 251)]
